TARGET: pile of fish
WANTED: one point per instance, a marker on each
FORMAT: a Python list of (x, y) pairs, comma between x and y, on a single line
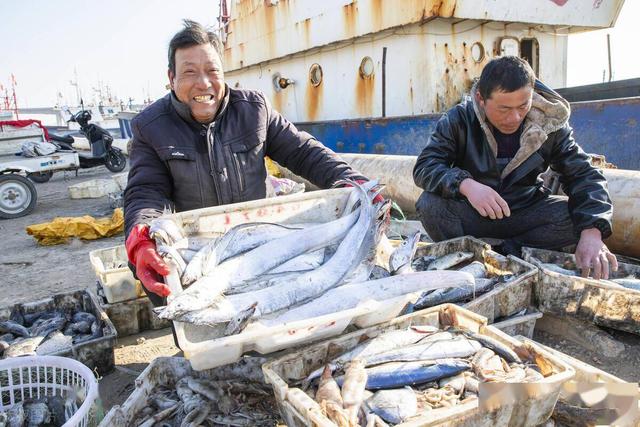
[(51, 411), (201, 402), (275, 273), (462, 262), (403, 373), (629, 281), (46, 332)]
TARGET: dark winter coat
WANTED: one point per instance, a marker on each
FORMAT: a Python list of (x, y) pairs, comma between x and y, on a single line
[(463, 146), (178, 163)]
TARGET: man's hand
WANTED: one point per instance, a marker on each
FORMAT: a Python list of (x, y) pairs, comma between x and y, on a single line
[(150, 267), (484, 199), (593, 253)]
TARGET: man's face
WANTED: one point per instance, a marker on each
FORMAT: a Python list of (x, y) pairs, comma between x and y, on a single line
[(199, 80), (507, 110)]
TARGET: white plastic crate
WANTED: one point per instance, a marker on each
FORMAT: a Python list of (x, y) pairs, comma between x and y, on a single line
[(93, 189), (298, 409), (196, 342), (35, 377), (114, 275), (166, 371), (585, 298), (586, 373)]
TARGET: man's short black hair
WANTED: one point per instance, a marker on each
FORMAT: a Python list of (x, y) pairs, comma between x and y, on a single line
[(505, 74), (192, 34)]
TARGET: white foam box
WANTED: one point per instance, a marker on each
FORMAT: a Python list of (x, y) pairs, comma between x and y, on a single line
[(93, 189), (206, 348), (114, 276), (298, 409)]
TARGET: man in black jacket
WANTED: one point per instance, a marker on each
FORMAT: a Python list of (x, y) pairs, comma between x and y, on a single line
[(480, 171), (204, 145)]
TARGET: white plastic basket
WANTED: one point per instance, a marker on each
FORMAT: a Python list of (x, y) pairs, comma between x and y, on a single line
[(47, 376)]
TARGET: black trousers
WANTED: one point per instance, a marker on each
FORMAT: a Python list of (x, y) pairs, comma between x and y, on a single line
[(546, 224)]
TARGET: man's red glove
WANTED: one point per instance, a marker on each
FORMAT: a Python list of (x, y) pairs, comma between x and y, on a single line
[(377, 199), (141, 251)]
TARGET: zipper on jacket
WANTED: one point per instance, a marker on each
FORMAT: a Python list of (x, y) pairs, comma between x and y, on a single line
[(212, 163), (236, 163)]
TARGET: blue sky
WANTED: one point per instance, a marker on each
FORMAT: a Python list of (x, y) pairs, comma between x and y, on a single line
[(123, 43)]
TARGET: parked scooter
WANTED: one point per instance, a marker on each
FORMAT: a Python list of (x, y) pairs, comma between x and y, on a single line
[(102, 150)]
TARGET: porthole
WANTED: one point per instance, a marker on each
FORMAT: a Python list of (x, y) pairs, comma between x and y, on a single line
[(366, 67), (477, 52), (315, 74)]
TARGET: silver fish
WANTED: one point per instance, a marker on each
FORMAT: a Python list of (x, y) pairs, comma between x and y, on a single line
[(23, 347), (450, 260), (11, 327), (169, 252), (452, 295), (166, 231), (304, 262), (306, 285), (456, 348), (422, 263), (400, 259), (237, 240), (205, 291), (630, 282), (493, 344), (476, 269), (55, 343), (393, 406), (384, 342), (349, 296)]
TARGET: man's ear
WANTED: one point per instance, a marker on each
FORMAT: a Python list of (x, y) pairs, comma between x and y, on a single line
[(171, 76), (479, 99)]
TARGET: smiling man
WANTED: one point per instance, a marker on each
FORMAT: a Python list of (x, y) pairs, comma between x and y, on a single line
[(204, 145), (480, 171)]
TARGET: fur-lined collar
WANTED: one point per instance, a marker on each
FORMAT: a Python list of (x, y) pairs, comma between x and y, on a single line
[(549, 112)]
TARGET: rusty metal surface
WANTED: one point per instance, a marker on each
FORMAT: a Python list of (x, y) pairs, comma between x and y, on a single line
[(260, 30), (586, 299), (428, 69)]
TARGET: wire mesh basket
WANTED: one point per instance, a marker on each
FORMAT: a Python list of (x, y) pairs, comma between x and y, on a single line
[(46, 379)]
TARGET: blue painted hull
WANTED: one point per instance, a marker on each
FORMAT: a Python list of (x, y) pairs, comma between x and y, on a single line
[(608, 127)]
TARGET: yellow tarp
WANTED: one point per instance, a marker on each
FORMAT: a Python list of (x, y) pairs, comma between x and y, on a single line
[(84, 227), (272, 168)]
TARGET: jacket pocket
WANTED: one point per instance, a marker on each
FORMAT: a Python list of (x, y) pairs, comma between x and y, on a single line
[(247, 157), (183, 165)]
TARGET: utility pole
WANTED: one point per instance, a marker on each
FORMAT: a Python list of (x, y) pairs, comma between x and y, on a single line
[(609, 55)]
